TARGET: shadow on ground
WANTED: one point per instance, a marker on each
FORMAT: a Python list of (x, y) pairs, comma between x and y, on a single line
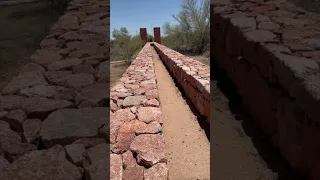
[(201, 119), (261, 142)]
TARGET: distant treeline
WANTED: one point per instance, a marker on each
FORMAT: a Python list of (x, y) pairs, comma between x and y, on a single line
[(191, 34)]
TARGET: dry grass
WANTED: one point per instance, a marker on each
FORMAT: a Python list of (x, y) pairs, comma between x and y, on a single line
[(116, 72), (203, 59)]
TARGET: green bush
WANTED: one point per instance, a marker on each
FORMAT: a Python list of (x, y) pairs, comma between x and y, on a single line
[(192, 33), (123, 46), (150, 38)]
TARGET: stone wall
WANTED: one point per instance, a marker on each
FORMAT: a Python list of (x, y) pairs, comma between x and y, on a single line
[(16, 2), (193, 76), (137, 142), (271, 52), (54, 113)]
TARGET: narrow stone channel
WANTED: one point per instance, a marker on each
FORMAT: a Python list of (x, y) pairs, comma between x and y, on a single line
[(187, 147), (240, 149)]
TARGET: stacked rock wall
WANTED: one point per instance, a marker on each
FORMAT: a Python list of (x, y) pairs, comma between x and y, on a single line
[(193, 76), (271, 52), (16, 2), (137, 142), (54, 113)]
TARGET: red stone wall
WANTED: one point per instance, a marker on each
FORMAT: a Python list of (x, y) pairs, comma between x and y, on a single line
[(136, 123), (270, 50), (193, 76), (16, 2), (144, 36), (157, 35), (54, 113)]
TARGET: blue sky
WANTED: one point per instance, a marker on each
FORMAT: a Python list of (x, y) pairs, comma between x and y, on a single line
[(136, 14)]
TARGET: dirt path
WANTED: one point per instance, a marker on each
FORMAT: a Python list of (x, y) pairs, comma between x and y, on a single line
[(188, 149), (240, 150)]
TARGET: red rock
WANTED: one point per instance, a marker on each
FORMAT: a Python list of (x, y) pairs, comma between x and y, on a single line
[(91, 62), (43, 91), (79, 80), (149, 87), (133, 110), (93, 95), (82, 68), (124, 115), (31, 129), (82, 49), (89, 142), (133, 173), (119, 88), (133, 101), (119, 102), (152, 102), (122, 94), (131, 81), (64, 64), (44, 105), (148, 82), (15, 118), (125, 135), (66, 94), (23, 81), (131, 86), (113, 106), (4, 164), (115, 167), (45, 57), (57, 77), (152, 94), (128, 160), (103, 71), (65, 126), (76, 153), (157, 172), (148, 114), (65, 52), (116, 119), (139, 91), (30, 67), (150, 149), (11, 102), (124, 79), (151, 128), (42, 164)]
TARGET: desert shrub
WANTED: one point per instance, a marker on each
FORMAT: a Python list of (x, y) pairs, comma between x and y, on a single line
[(123, 46), (191, 34)]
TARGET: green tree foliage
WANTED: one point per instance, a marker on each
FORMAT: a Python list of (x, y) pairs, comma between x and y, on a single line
[(150, 38), (192, 32), (124, 46)]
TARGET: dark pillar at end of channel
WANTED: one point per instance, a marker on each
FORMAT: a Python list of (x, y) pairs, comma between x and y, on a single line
[(157, 35), (143, 35)]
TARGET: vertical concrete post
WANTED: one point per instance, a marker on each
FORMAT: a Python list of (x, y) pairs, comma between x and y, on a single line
[(143, 35), (157, 35)]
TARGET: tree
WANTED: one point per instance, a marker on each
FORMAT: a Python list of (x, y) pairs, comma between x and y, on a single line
[(150, 38), (123, 46), (121, 36), (193, 29)]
